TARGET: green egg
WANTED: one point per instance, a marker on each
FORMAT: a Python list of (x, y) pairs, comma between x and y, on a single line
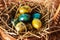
[(14, 21), (24, 17)]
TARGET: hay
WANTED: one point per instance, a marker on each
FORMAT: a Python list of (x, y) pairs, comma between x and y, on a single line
[(49, 13)]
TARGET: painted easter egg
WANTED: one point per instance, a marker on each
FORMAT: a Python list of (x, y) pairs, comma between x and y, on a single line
[(36, 15), (24, 17), (17, 15), (24, 9), (36, 23), (14, 21), (20, 27)]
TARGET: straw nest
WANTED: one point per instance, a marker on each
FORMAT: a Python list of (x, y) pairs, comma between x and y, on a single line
[(50, 18)]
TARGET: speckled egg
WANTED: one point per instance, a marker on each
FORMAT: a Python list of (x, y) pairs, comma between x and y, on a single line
[(20, 27), (24, 9), (24, 17), (36, 15), (36, 23)]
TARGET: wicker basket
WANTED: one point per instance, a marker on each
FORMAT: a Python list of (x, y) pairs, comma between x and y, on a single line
[(50, 20)]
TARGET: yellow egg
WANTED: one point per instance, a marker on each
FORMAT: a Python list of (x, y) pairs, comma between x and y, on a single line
[(17, 15), (36, 23), (24, 9), (20, 27)]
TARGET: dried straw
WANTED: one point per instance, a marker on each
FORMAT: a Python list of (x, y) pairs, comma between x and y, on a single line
[(47, 10)]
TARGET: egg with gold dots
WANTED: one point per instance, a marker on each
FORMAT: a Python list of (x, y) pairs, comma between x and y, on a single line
[(20, 27), (36, 23), (24, 9)]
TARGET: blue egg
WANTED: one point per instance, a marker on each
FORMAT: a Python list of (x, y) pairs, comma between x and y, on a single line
[(24, 17), (36, 15)]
